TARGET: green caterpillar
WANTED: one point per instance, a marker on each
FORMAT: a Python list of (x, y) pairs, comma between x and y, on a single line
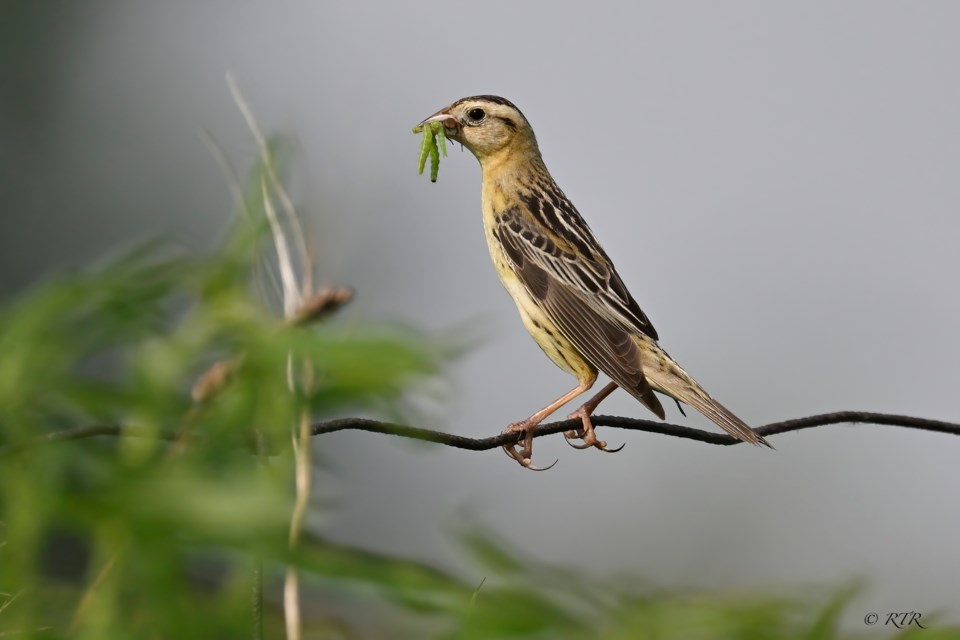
[(432, 134)]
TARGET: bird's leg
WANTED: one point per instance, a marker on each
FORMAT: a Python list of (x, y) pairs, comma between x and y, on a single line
[(586, 432), (528, 426)]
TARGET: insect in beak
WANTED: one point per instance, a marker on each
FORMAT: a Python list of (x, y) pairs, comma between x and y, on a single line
[(451, 126)]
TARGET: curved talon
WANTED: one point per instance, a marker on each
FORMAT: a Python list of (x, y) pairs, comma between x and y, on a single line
[(514, 450), (574, 434), (533, 468), (515, 454), (605, 450), (587, 433), (524, 461)]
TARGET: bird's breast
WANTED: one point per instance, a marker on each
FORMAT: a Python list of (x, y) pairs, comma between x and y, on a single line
[(494, 202), (538, 324)]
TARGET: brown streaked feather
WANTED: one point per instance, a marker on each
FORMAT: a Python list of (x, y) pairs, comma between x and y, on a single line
[(666, 376), (569, 294), (560, 223), (607, 345), (606, 342)]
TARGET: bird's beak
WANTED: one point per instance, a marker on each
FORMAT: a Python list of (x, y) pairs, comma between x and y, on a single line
[(451, 126)]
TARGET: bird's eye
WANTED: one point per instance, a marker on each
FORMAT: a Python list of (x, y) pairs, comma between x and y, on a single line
[(476, 114)]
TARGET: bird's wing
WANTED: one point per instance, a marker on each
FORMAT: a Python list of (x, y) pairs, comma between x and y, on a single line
[(558, 232), (569, 291), (587, 272)]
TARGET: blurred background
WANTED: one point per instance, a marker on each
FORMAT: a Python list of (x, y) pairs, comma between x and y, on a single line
[(777, 184)]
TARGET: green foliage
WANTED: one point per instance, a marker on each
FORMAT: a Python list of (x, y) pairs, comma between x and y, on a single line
[(525, 598), (183, 501), (155, 534)]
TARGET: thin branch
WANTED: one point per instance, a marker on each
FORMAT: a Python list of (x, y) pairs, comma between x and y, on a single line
[(91, 591), (291, 292), (493, 442), (291, 586), (293, 297), (632, 424), (85, 432), (286, 202), (256, 597), (256, 574)]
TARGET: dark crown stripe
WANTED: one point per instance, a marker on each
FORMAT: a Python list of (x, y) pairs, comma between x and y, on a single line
[(493, 99)]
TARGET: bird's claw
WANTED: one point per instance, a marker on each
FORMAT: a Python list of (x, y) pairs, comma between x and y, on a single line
[(586, 433), (536, 468), (517, 454), (576, 435), (522, 455), (523, 459), (603, 447)]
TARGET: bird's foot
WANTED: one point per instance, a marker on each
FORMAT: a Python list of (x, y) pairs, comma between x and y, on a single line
[(586, 432), (523, 454)]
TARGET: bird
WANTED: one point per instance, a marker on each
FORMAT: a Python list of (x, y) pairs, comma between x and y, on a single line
[(570, 297)]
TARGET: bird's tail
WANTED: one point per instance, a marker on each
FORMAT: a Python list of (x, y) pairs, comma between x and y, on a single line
[(666, 376)]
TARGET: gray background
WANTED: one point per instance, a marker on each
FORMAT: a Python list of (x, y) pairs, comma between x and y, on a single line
[(776, 182)]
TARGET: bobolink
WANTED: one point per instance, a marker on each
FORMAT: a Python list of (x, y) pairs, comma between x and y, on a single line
[(570, 297)]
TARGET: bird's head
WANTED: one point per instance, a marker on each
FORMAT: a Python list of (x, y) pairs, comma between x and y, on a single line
[(487, 126)]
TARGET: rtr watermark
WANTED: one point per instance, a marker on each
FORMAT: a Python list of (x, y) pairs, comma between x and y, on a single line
[(898, 619)]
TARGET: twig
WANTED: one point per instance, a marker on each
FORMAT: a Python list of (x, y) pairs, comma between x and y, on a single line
[(286, 202), (302, 467), (256, 576), (256, 597), (632, 424), (91, 592), (293, 296), (85, 432), (494, 442), (291, 292), (9, 599)]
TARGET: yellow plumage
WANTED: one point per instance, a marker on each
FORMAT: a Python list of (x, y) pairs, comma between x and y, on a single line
[(568, 293)]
